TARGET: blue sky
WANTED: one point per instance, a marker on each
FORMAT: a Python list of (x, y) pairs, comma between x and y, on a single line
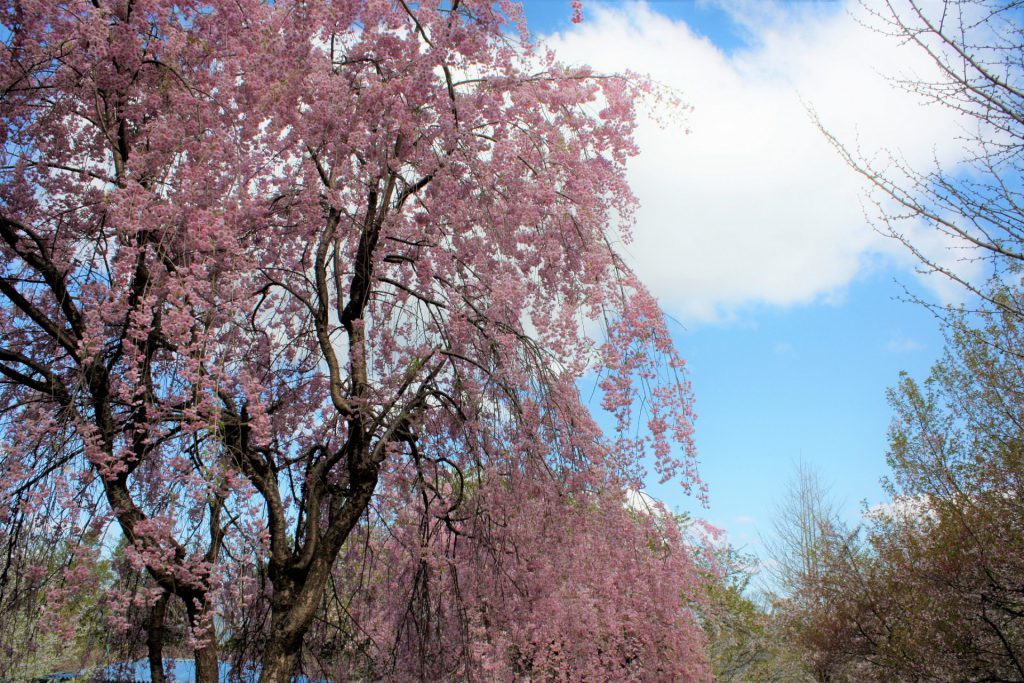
[(758, 240)]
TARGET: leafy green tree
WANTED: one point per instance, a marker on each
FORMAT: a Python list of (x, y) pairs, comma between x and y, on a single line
[(37, 635), (932, 588), (745, 642)]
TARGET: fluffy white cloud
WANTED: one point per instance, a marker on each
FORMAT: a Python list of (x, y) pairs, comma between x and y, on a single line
[(753, 205)]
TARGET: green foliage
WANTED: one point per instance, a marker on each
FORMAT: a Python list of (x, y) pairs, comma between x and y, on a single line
[(745, 642), (36, 639), (932, 587)]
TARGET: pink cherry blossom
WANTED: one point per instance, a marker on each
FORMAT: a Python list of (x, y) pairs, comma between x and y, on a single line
[(291, 287)]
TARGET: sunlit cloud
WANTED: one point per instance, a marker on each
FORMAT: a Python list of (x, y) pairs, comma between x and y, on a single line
[(753, 206)]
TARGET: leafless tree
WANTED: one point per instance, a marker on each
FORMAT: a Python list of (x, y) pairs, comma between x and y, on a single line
[(802, 519), (978, 49)]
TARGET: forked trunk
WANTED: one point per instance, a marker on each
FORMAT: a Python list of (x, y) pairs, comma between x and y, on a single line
[(292, 611), (298, 594), (279, 662)]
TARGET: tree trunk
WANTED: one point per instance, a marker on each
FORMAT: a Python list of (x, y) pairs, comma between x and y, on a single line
[(280, 661), (155, 638), (298, 592), (207, 666), (292, 609)]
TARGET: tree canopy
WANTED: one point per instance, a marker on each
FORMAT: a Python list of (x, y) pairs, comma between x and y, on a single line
[(295, 296)]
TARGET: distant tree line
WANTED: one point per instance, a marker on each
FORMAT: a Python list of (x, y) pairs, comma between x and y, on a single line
[(931, 586)]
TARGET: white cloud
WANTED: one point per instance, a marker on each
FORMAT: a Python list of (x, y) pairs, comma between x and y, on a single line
[(904, 508), (783, 348), (640, 501), (902, 344), (753, 205)]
